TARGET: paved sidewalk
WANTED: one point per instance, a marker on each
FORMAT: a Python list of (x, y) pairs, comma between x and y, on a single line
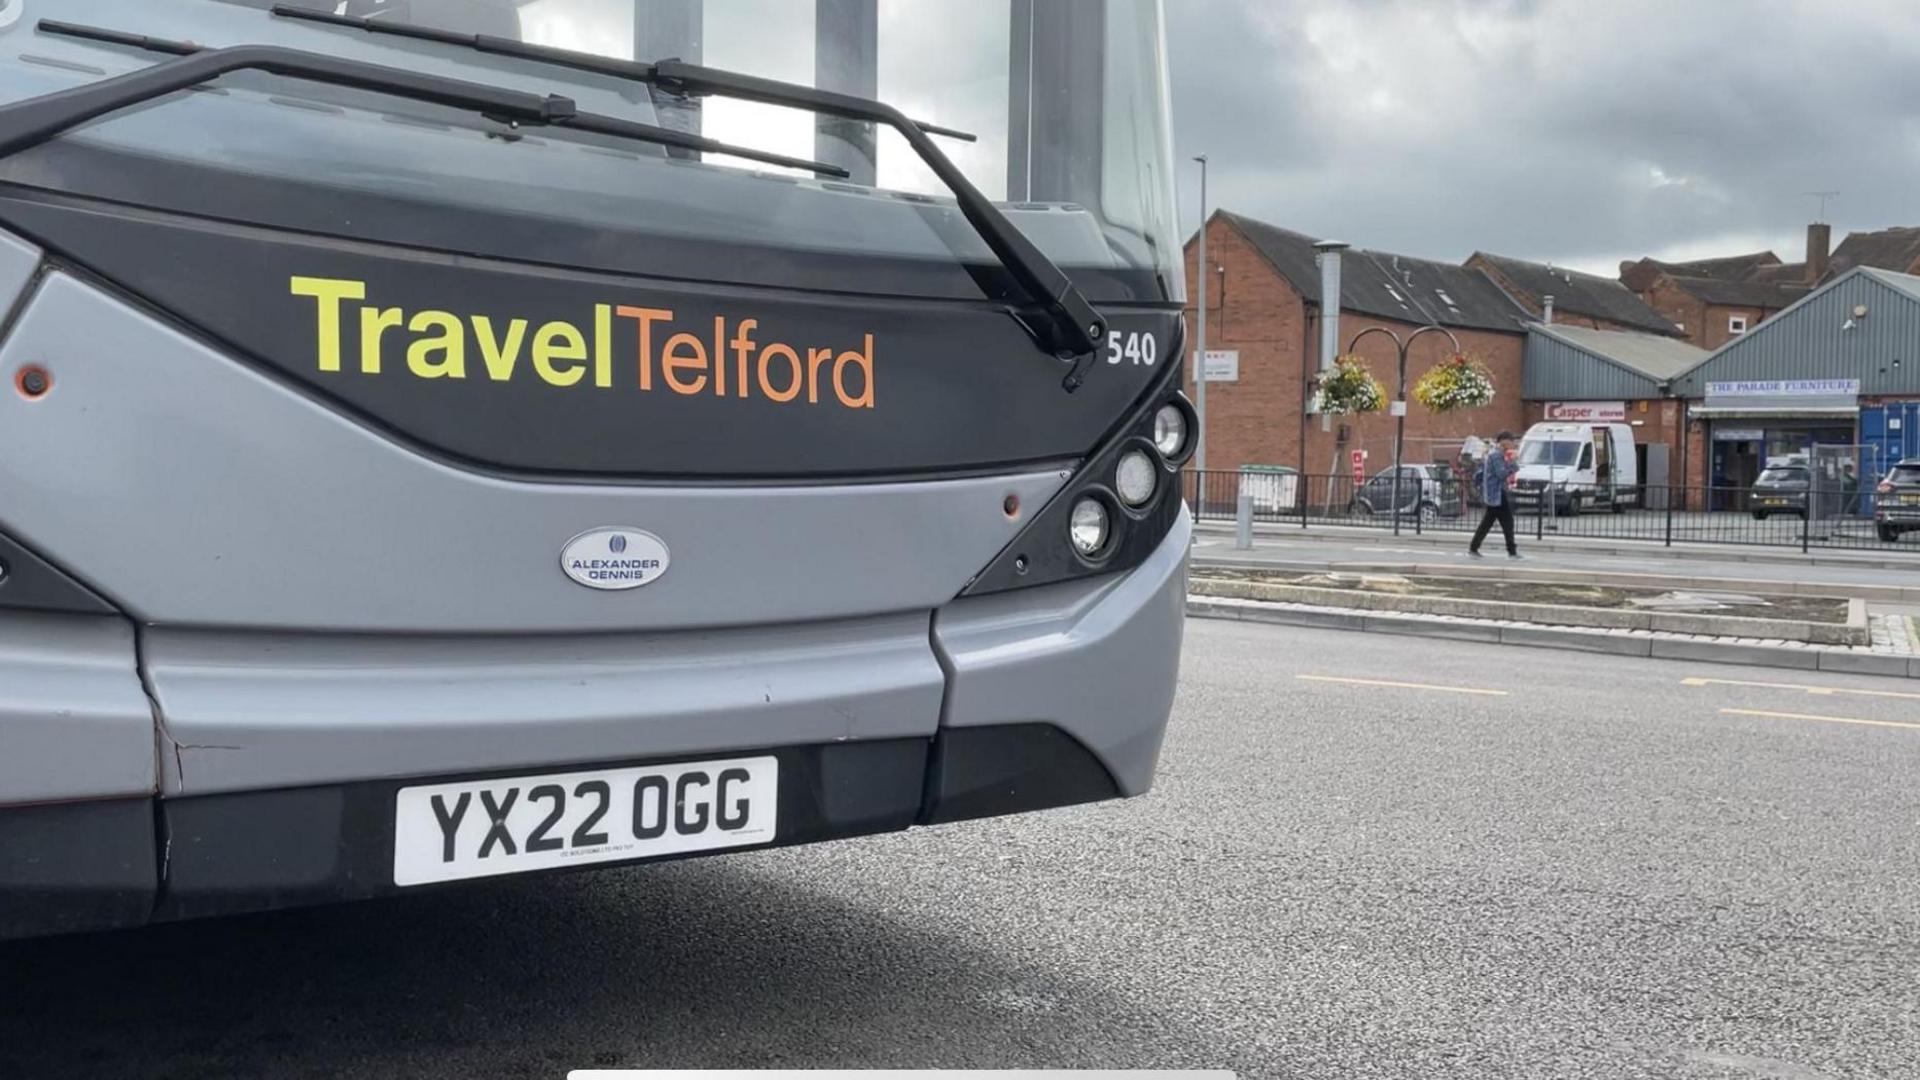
[(1332, 549), (1900, 660), (1893, 595)]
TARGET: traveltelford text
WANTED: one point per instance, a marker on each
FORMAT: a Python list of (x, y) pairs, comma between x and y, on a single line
[(723, 360)]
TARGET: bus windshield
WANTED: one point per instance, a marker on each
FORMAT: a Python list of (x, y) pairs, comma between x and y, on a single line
[(1072, 141)]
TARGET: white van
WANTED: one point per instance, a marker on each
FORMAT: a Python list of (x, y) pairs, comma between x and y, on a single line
[(1582, 465)]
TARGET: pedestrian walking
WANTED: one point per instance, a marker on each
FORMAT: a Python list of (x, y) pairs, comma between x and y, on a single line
[(1492, 479)]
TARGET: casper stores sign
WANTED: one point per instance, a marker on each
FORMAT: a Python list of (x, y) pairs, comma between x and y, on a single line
[(1599, 412)]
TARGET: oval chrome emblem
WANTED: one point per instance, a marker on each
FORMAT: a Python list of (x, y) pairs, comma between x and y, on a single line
[(614, 558)]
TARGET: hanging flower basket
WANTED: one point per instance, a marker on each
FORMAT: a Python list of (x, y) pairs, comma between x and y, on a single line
[(1349, 388), (1458, 382)]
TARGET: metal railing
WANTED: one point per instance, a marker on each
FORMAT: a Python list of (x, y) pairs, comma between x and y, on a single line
[(1841, 516)]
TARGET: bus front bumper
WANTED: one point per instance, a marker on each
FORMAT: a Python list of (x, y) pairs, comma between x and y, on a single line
[(1022, 700)]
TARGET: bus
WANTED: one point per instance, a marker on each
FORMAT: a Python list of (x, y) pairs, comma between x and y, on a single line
[(446, 439)]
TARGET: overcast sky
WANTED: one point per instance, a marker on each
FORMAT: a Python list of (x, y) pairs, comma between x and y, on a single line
[(1576, 131)]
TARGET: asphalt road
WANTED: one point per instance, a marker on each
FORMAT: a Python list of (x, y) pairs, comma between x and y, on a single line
[(1596, 870)]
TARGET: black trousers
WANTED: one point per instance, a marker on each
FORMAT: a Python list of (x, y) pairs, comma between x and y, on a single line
[(1502, 514)]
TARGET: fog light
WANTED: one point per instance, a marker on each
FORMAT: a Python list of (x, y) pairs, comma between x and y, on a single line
[(1087, 527), (1170, 431), (1134, 478)]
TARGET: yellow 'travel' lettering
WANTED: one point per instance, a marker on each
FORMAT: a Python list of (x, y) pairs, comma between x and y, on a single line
[(328, 292), (450, 343), (374, 323), (499, 356), (559, 341)]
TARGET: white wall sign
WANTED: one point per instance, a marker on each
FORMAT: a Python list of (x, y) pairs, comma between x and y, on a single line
[(1783, 388), (1594, 411), (1223, 365), (1721, 434)]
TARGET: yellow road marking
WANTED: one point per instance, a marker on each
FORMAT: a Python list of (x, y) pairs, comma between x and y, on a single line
[(1822, 719), (1403, 685), (1824, 690)]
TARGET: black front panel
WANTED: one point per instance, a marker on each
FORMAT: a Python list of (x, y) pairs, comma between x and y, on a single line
[(259, 850), (532, 369)]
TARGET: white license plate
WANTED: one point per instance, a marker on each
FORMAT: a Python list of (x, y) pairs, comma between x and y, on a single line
[(479, 828)]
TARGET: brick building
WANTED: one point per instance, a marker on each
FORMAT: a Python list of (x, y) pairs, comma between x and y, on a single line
[(1263, 304), (1554, 294), (1713, 301)]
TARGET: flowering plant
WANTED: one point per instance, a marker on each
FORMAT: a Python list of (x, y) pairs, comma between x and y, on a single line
[(1349, 388), (1458, 382)]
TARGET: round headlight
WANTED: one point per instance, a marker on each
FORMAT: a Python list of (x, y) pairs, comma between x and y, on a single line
[(1134, 479), (1087, 527), (1170, 431)]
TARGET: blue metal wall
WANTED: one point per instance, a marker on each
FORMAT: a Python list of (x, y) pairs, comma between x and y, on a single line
[(1888, 433)]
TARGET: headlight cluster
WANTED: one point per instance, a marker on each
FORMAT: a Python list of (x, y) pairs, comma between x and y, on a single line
[(1115, 510), (1148, 460)]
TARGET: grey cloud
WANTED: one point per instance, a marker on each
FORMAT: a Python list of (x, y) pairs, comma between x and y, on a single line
[(1553, 129)]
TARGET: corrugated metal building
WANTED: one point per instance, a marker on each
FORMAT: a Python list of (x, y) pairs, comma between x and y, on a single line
[(1580, 373), (1575, 363), (1835, 370)]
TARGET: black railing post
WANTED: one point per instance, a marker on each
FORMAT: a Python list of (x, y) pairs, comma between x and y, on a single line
[(1806, 516), (1669, 502)]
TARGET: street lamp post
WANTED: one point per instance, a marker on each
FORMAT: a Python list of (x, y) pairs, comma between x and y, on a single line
[(1200, 344), (1400, 400)]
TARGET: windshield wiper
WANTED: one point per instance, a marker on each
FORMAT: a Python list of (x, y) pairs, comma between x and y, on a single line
[(34, 120), (1071, 328)]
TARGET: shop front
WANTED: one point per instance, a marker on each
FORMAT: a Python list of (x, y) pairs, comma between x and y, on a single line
[(1754, 424)]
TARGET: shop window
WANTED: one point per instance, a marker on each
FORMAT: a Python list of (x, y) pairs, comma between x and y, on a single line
[(1736, 324)]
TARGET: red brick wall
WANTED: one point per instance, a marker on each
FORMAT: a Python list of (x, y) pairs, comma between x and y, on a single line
[(1705, 324), (1716, 325), (1680, 308), (1258, 419)]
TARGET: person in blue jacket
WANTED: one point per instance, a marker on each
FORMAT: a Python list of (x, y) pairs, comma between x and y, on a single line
[(1492, 478)]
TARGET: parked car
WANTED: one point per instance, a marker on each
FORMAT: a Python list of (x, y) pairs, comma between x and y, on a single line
[(1896, 501), (1430, 491), (1781, 489)]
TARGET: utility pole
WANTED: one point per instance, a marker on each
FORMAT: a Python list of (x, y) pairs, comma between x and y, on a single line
[(1200, 342)]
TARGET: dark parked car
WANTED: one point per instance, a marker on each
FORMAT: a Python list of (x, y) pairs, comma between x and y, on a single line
[(1431, 491), (1896, 501), (1781, 489)]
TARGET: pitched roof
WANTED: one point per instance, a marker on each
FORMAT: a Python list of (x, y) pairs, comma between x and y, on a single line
[(1724, 268), (1386, 285), (1889, 249), (1578, 294), (1781, 274), (1656, 356), (1759, 294)]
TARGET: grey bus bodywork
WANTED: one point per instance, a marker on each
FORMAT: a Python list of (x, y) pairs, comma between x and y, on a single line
[(287, 471)]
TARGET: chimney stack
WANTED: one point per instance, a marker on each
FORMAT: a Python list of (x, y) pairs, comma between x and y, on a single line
[(1546, 309), (1329, 300), (1819, 241)]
